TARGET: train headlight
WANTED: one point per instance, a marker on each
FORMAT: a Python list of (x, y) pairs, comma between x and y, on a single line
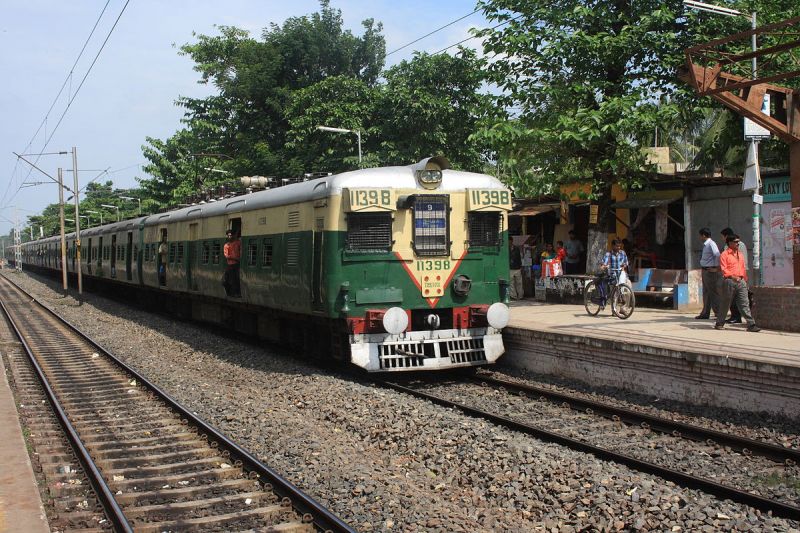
[(497, 315), (429, 171), (395, 320), (430, 179)]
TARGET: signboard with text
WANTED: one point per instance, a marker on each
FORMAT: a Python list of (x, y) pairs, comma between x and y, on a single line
[(754, 132)]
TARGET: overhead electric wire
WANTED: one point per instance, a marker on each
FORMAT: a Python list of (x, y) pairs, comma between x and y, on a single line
[(61, 90), (72, 99), (69, 75), (431, 33), (475, 36), (89, 70)]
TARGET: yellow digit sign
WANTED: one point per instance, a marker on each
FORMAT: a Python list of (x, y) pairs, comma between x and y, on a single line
[(370, 199), (493, 198)]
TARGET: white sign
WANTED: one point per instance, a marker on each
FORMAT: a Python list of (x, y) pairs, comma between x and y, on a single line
[(758, 199), (752, 176), (754, 132)]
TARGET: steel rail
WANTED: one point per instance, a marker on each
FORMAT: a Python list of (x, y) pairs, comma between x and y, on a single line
[(323, 519), (744, 445), (779, 509), (101, 488)]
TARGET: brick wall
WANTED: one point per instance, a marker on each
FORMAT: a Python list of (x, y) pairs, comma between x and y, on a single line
[(777, 308), (692, 377)]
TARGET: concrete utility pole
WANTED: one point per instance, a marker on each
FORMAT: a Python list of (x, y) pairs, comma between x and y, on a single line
[(17, 243), (757, 191), (61, 220), (76, 193)]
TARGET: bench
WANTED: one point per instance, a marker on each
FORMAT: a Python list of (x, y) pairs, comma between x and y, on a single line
[(663, 285)]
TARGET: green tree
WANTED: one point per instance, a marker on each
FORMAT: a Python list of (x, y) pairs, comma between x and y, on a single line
[(431, 105), (338, 101), (247, 120)]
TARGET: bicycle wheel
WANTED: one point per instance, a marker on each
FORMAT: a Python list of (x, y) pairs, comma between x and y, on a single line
[(623, 302), (591, 298)]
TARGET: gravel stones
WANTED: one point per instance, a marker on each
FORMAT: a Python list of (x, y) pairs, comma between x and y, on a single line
[(381, 460)]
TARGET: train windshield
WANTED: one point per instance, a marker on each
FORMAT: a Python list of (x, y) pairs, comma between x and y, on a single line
[(431, 225)]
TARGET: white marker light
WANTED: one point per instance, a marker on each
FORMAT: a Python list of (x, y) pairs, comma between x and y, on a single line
[(498, 315), (395, 320)]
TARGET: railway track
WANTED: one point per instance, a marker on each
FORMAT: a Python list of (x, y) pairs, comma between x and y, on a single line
[(640, 441), (152, 465)]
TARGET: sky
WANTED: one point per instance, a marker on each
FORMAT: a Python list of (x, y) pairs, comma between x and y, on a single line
[(130, 92)]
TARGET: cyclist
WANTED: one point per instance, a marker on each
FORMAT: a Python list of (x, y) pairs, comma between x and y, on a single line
[(616, 260)]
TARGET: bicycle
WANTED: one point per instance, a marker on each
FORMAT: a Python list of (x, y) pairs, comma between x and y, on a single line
[(604, 288)]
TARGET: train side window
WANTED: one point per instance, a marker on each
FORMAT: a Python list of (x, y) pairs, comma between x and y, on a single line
[(484, 228), (205, 253), (172, 249), (215, 253), (369, 232), (179, 253), (252, 253), (266, 253)]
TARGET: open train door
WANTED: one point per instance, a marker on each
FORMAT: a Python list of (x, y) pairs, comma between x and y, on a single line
[(129, 257), (191, 254), (316, 268)]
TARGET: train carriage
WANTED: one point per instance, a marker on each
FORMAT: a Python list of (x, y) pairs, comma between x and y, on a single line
[(396, 268)]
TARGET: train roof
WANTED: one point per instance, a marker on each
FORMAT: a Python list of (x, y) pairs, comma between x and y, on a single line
[(375, 178)]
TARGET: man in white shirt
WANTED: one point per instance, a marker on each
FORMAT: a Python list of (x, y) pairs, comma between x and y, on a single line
[(574, 248), (709, 262)]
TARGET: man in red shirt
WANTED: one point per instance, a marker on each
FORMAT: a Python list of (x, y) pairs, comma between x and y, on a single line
[(233, 254), (734, 284)]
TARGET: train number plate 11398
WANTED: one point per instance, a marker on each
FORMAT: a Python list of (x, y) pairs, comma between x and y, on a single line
[(370, 199)]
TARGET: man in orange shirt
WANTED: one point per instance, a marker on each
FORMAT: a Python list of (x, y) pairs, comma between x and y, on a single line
[(734, 284), (233, 254)]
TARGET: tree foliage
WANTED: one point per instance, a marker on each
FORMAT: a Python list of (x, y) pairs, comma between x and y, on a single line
[(433, 104), (247, 120)]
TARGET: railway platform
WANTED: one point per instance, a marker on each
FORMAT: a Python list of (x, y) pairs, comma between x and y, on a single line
[(20, 505), (659, 352)]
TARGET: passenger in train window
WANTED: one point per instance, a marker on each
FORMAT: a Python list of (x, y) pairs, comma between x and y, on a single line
[(163, 250), (233, 255)]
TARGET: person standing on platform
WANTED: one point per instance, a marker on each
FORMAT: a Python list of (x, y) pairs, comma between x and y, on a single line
[(515, 266), (233, 254), (709, 262), (574, 249), (561, 253), (734, 284), (735, 318), (548, 252)]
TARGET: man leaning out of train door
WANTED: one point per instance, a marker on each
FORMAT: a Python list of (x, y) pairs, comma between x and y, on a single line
[(233, 254)]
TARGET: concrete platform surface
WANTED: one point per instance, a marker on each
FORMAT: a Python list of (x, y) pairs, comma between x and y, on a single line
[(20, 505), (661, 328)]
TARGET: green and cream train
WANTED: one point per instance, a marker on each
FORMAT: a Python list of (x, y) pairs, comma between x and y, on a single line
[(392, 269)]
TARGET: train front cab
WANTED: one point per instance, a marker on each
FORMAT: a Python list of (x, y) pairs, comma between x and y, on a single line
[(424, 271)]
